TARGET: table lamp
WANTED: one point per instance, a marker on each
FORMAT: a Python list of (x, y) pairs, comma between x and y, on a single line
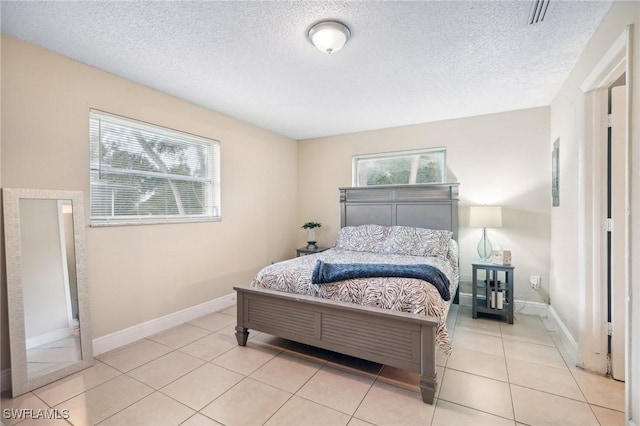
[(485, 217)]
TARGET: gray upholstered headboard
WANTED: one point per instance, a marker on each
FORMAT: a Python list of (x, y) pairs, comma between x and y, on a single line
[(432, 206)]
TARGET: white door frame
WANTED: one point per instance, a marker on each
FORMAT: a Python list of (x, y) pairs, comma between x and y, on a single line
[(592, 302)]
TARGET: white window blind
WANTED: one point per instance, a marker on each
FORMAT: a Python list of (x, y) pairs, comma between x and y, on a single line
[(400, 167), (141, 173)]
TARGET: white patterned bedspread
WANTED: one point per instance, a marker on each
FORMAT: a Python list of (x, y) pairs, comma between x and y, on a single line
[(397, 294)]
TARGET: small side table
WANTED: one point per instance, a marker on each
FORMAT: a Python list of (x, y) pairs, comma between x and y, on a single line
[(492, 290), (305, 251)]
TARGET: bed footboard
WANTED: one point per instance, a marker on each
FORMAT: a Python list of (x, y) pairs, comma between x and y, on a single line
[(396, 339)]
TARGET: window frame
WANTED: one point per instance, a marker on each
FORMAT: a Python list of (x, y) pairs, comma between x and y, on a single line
[(212, 211), (396, 155)]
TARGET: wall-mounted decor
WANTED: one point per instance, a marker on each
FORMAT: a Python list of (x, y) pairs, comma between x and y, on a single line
[(555, 173)]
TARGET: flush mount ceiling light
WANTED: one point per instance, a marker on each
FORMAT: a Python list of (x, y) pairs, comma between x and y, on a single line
[(329, 36)]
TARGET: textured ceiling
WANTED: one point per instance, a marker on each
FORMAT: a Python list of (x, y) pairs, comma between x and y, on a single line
[(407, 62)]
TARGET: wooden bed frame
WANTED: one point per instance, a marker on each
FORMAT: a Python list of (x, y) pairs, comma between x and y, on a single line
[(392, 338)]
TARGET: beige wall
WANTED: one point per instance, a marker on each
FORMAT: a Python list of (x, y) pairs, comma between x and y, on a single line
[(138, 273), (501, 159)]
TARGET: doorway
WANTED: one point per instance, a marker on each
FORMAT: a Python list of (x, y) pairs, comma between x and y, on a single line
[(597, 336)]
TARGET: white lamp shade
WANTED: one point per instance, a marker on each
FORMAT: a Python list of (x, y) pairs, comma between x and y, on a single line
[(329, 36), (485, 217)]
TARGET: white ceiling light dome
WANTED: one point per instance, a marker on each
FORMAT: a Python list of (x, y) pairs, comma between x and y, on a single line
[(329, 36)]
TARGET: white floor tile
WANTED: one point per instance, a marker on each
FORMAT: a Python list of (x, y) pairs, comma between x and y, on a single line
[(608, 417), (479, 363), (155, 409), (200, 420), (480, 342), (76, 384), (214, 322), (533, 353), (245, 359), (134, 355), (105, 400), (12, 407), (477, 392), (248, 403), (336, 389), (533, 407), (600, 390), (299, 411), (478, 325), (389, 405), (180, 336), (286, 372), (553, 380), (201, 386), (358, 422), (447, 414), (166, 369), (210, 346)]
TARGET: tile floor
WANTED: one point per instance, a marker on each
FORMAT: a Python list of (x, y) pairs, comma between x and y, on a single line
[(195, 374)]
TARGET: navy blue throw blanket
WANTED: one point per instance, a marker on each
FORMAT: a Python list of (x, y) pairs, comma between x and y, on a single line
[(324, 273)]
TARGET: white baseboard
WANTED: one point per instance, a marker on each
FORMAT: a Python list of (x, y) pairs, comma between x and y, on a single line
[(521, 306), (129, 335), (567, 339)]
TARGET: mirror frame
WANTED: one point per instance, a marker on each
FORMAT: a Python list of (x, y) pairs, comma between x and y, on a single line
[(20, 380)]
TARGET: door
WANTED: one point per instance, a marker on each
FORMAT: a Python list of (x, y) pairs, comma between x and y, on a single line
[(616, 237)]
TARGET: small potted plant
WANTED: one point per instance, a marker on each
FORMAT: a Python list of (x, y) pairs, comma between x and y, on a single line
[(311, 238)]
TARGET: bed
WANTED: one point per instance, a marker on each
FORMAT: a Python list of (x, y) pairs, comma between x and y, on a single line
[(391, 331)]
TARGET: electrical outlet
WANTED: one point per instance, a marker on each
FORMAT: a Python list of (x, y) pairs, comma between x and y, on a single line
[(535, 281)]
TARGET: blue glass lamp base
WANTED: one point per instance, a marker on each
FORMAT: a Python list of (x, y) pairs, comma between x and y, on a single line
[(484, 247)]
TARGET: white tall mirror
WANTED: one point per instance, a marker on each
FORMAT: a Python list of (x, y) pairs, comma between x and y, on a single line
[(47, 291)]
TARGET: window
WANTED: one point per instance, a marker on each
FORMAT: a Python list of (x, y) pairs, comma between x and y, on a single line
[(400, 168), (141, 173)]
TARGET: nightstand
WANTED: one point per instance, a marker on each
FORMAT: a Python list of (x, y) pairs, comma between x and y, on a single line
[(305, 251), (492, 290)]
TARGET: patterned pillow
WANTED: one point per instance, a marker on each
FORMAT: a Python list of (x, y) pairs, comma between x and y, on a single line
[(417, 241), (362, 238)]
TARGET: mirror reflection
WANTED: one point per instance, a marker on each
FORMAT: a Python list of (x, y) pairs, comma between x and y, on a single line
[(52, 328)]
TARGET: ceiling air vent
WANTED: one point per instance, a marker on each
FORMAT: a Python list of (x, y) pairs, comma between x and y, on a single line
[(538, 11)]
